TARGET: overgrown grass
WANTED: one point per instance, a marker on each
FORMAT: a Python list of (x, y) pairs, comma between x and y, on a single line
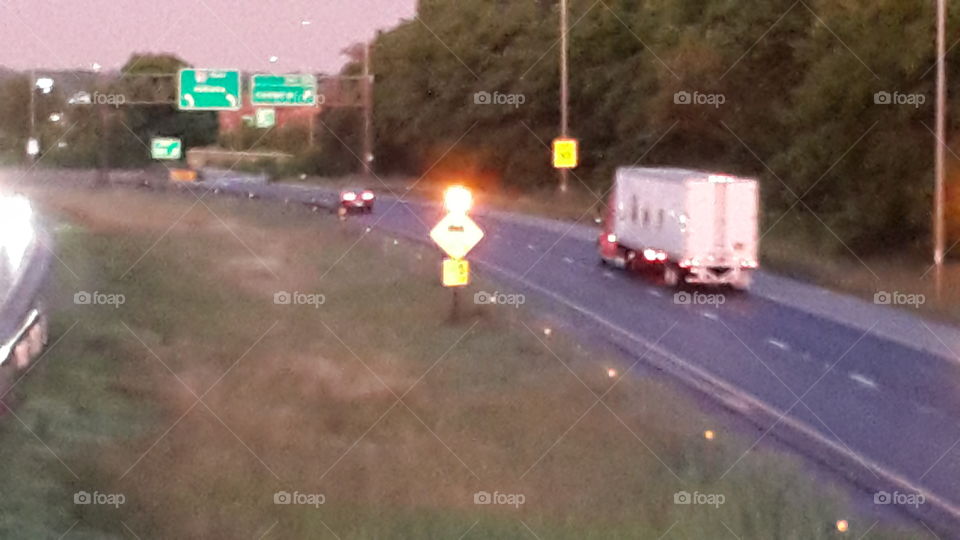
[(306, 399)]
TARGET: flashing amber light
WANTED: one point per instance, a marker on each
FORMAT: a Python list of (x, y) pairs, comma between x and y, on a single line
[(457, 199)]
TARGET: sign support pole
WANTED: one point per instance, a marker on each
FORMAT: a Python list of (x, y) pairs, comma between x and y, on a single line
[(564, 87), (455, 305)]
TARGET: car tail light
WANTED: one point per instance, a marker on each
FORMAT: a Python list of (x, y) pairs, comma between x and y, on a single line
[(612, 238), (367, 195), (661, 256), (348, 196), (685, 263)]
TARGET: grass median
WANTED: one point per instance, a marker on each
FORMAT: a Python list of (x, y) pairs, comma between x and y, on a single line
[(245, 369)]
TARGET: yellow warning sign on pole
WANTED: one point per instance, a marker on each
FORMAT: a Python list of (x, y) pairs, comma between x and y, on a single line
[(456, 272), (566, 153)]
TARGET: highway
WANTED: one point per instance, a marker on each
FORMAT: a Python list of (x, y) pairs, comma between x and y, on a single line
[(858, 395)]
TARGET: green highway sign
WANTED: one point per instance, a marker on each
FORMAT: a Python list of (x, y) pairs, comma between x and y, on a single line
[(209, 90), (293, 90), (266, 118), (166, 148)]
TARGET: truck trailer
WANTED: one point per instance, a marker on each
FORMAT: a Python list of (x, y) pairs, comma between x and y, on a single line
[(695, 227)]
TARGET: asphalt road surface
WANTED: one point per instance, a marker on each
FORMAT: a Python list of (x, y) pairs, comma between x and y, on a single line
[(861, 401)]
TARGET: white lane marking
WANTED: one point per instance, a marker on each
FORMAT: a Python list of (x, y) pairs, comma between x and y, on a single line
[(654, 292), (863, 380), (710, 315), (531, 248), (568, 260), (608, 274), (778, 344)]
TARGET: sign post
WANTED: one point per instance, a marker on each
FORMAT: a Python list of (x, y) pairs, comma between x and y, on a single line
[(456, 234)]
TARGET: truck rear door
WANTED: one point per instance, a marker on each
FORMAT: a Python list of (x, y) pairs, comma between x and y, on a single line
[(739, 230), (723, 222)]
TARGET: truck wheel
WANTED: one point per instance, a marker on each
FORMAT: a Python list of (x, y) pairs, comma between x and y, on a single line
[(671, 276)]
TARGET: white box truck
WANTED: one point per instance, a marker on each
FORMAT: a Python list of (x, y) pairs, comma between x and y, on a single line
[(698, 227)]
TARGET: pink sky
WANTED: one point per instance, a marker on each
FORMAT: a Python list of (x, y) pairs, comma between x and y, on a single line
[(241, 34)]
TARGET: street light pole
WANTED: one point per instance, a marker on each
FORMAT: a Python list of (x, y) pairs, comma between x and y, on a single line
[(33, 114), (564, 87), (938, 226), (367, 111)]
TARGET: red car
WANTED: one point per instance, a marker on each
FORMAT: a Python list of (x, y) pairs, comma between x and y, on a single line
[(357, 200)]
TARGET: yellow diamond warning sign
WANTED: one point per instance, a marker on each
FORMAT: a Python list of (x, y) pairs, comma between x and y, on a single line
[(456, 234)]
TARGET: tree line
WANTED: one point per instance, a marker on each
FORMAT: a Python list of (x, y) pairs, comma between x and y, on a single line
[(829, 102)]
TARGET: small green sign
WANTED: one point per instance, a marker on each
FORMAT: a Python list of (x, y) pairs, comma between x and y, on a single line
[(266, 118), (166, 148), (209, 90), (292, 90)]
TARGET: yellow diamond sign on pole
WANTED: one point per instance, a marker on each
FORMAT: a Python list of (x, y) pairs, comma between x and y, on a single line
[(566, 153), (456, 234), (456, 272)]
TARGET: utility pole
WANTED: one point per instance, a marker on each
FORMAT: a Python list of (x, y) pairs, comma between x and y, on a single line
[(564, 87), (33, 114), (938, 226), (312, 126), (367, 112), (103, 155)]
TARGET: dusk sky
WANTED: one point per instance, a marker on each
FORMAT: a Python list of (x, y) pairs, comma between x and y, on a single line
[(240, 34)]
